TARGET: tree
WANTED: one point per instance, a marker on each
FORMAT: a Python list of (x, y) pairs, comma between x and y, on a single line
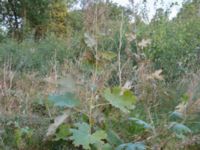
[(16, 15), (58, 17)]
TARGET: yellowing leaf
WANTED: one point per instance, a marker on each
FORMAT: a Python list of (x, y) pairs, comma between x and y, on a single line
[(107, 55), (124, 101), (181, 108)]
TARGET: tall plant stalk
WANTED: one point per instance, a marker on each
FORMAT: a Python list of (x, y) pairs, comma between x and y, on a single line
[(119, 49)]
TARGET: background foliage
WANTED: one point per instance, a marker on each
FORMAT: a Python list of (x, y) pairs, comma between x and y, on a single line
[(100, 77)]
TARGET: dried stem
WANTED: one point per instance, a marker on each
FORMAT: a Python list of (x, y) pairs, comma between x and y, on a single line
[(119, 50)]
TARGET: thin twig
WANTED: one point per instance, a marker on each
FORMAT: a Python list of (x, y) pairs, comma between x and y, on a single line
[(101, 105)]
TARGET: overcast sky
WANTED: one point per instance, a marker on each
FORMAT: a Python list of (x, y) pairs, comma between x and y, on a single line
[(151, 7)]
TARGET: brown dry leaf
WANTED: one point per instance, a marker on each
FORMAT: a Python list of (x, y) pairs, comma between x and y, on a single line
[(144, 43), (127, 86), (57, 122), (130, 37), (156, 75), (181, 108)]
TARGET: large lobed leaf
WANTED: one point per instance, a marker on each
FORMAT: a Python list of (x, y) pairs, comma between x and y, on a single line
[(66, 100), (82, 136), (124, 100)]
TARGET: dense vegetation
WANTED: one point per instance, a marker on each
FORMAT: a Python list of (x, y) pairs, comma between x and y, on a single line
[(99, 77)]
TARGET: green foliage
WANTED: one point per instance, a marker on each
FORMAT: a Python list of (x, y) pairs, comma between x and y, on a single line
[(21, 134), (37, 12), (122, 99), (107, 55), (174, 43), (30, 56), (76, 20), (83, 137), (58, 14)]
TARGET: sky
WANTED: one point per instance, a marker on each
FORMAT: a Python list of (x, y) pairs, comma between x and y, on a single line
[(151, 7)]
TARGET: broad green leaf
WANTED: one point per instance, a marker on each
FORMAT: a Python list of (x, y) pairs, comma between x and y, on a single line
[(82, 136), (142, 123), (176, 115), (66, 100), (179, 128), (124, 100), (63, 132), (132, 146), (113, 138)]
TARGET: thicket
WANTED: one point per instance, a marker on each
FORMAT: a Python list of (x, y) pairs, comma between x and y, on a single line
[(94, 79)]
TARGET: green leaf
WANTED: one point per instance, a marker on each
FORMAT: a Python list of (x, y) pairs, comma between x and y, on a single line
[(113, 138), (107, 147), (66, 100), (63, 132), (124, 100), (97, 136), (82, 136), (179, 128), (185, 98), (132, 146), (142, 123), (176, 115)]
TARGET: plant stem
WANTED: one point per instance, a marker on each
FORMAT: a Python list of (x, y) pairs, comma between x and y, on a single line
[(94, 73), (119, 50)]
